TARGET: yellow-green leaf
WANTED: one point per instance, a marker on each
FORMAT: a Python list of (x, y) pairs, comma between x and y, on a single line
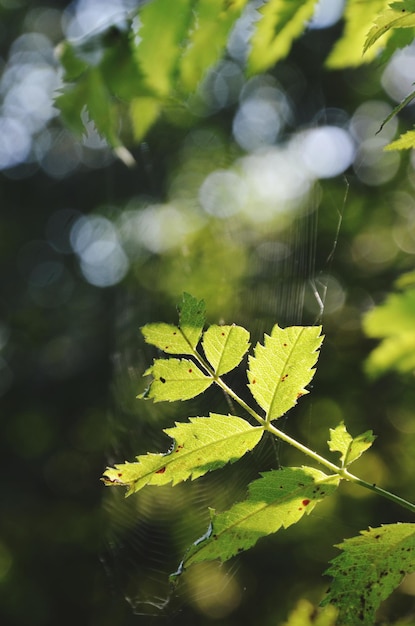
[(225, 347), (277, 500), (348, 50), (208, 36), (350, 448), (160, 32), (281, 22), (181, 339), (404, 142), (283, 366), (398, 15), (175, 379), (393, 322), (201, 445), (144, 111)]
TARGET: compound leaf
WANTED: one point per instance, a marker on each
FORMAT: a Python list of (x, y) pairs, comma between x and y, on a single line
[(369, 568), (283, 366), (350, 448), (175, 379), (225, 346), (281, 22), (201, 445), (277, 500)]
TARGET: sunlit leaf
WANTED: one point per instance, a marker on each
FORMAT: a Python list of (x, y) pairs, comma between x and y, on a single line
[(404, 142), (393, 321), (175, 379), (159, 36), (306, 614), (350, 448), (398, 15), (375, 562), (144, 111), (397, 39), (201, 445), (167, 337), (181, 339), (192, 315), (277, 500), (208, 34), (280, 23), (283, 366), (348, 50), (225, 346)]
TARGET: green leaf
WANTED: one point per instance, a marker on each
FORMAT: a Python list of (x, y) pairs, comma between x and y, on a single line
[(347, 51), (159, 36), (167, 337), (394, 322), (306, 614), (369, 568), (73, 65), (277, 500), (404, 142), (398, 38), (281, 22), (398, 15), (91, 93), (192, 315), (175, 379), (144, 111), (225, 346), (282, 367), (201, 445), (350, 448), (181, 339), (207, 38)]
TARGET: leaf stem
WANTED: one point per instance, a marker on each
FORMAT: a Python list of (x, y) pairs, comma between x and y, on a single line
[(379, 491), (340, 471), (296, 444)]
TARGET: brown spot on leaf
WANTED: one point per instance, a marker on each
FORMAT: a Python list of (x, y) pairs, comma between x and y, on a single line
[(162, 380), (305, 502), (161, 470)]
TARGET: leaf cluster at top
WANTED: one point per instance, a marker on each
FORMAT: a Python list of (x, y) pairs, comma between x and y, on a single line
[(125, 79)]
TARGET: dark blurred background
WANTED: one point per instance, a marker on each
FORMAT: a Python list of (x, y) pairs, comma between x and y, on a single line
[(275, 200)]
